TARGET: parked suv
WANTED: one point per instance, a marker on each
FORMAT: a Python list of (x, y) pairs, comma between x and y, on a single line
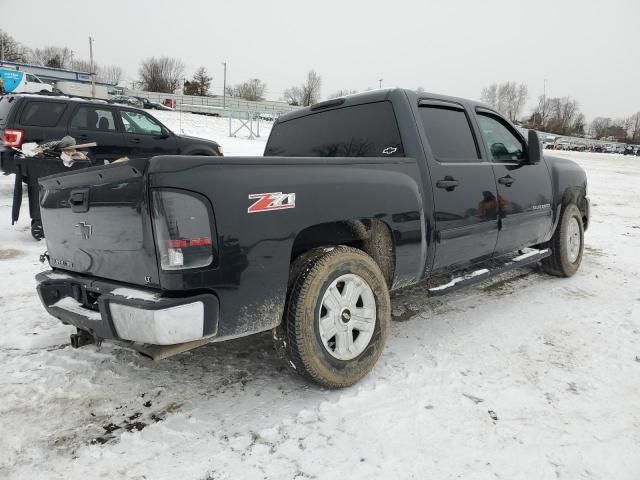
[(118, 130)]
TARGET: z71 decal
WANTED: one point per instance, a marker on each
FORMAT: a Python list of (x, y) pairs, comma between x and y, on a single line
[(266, 202)]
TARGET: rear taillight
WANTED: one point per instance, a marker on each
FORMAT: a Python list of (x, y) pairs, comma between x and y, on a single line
[(183, 230), (12, 138)]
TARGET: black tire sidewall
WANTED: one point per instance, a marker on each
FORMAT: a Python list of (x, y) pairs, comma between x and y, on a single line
[(318, 363), (569, 268)]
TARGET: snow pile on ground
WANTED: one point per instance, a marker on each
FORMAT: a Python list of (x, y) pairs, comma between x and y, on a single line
[(217, 128), (528, 377)]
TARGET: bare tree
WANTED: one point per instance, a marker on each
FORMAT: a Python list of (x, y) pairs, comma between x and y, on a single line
[(81, 65), (311, 88), (51, 56), (489, 95), (634, 130), (560, 115), (343, 92), (161, 74), (11, 50), (508, 98), (111, 74), (293, 96), (253, 89), (599, 126), (307, 93)]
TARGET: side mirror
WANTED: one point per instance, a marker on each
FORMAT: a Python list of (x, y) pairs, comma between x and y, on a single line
[(534, 149), (164, 134)]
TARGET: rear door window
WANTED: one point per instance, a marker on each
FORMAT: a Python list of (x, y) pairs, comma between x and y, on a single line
[(368, 130), (93, 118), (449, 133), (42, 114)]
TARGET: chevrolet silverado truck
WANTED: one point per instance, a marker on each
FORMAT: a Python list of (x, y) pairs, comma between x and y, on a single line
[(353, 198)]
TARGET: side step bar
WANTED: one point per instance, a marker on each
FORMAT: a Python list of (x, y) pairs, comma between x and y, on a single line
[(477, 276)]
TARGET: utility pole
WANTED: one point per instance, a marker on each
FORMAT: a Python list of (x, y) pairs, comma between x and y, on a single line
[(224, 87), (2, 49), (380, 82), (93, 75)]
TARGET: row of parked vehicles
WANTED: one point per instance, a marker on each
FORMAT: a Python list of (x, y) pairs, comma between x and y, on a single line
[(596, 148)]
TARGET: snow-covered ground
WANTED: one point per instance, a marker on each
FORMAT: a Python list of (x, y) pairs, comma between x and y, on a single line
[(528, 377)]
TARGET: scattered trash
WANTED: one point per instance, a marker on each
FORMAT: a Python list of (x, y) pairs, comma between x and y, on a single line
[(34, 161), (473, 398), (493, 415)]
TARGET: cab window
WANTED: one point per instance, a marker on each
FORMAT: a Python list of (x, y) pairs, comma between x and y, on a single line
[(368, 130), (449, 134), (136, 122), (42, 114), (92, 118), (502, 144)]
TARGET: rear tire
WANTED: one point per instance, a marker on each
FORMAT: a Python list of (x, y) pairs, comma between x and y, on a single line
[(567, 244), (337, 317)]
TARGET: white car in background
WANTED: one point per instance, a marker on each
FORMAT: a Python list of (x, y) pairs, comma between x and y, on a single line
[(15, 81)]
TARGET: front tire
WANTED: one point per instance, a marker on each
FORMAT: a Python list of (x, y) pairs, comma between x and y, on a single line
[(337, 318), (567, 244)]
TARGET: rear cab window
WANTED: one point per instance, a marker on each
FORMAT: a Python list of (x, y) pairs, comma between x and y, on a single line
[(42, 114), (368, 130), (449, 133)]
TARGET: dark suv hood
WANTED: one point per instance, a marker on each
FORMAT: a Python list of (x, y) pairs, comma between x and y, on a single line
[(202, 141), (196, 146)]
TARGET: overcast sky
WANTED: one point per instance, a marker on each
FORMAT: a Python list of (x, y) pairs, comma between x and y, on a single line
[(586, 49)]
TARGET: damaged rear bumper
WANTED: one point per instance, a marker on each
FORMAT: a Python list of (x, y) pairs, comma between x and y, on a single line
[(111, 310)]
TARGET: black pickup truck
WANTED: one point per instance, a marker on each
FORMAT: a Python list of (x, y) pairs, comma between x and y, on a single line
[(354, 197)]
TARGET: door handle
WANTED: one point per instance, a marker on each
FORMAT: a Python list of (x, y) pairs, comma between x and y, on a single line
[(507, 181), (136, 140), (448, 183)]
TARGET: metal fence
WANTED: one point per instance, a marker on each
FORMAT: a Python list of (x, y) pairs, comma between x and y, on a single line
[(217, 105)]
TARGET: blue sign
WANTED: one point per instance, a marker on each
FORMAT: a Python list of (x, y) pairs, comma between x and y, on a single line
[(11, 79)]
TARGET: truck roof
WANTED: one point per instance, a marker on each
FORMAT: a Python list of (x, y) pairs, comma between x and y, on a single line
[(376, 96)]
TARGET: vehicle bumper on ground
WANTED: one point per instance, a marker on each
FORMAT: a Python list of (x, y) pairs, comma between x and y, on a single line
[(110, 310)]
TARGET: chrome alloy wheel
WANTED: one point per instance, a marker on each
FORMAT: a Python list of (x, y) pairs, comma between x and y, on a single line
[(347, 317), (573, 240)]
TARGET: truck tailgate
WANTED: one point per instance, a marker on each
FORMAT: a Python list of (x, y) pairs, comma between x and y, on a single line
[(97, 222)]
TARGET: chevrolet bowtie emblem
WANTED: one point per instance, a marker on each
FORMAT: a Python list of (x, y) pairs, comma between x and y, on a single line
[(389, 150), (84, 230)]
